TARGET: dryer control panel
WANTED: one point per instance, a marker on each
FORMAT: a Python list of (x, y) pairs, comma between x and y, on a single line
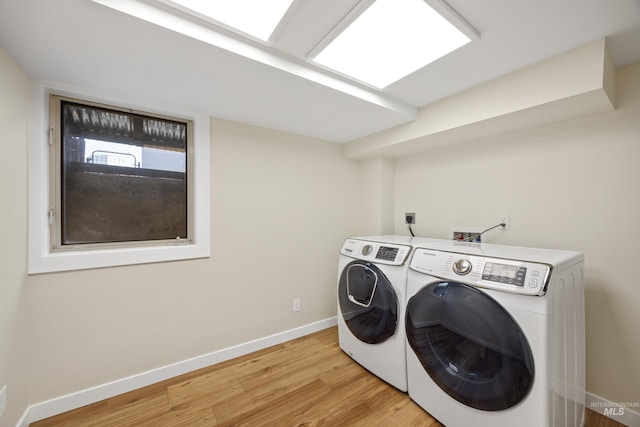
[(380, 253), (508, 275)]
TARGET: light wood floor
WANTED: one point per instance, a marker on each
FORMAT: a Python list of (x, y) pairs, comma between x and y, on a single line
[(305, 382)]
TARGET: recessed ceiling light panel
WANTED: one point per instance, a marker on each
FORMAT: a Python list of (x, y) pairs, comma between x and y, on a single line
[(257, 18), (390, 40)]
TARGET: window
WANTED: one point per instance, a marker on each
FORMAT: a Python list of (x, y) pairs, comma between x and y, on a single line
[(118, 177), (47, 253)]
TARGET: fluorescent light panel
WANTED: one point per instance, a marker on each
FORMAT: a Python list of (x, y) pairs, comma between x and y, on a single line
[(258, 18), (390, 40)]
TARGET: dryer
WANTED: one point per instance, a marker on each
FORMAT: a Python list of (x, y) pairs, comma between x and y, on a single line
[(495, 335), (372, 274)]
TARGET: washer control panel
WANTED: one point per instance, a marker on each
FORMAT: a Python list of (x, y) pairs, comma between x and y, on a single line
[(381, 253), (522, 277)]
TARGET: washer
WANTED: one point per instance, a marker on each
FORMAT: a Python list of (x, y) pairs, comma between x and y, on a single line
[(495, 335), (372, 276)]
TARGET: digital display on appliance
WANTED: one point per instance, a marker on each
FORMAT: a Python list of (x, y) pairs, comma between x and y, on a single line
[(502, 270), (386, 253), (504, 273)]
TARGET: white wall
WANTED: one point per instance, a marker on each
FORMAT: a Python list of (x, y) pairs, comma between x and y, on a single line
[(571, 185), (376, 197), (566, 86), (281, 208), (14, 89)]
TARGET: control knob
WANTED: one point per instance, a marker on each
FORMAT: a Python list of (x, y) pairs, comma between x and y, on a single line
[(462, 267)]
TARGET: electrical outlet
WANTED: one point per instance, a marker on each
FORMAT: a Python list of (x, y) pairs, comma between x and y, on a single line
[(296, 304), (3, 400), (504, 219), (410, 218)]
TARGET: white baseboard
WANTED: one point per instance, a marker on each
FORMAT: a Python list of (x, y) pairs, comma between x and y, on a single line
[(49, 408), (626, 413)]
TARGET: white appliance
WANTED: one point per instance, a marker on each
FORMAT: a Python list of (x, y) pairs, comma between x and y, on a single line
[(372, 275), (495, 335)]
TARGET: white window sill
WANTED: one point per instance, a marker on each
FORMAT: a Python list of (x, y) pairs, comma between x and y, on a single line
[(80, 260)]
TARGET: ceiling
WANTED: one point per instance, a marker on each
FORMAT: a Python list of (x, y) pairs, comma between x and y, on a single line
[(87, 45)]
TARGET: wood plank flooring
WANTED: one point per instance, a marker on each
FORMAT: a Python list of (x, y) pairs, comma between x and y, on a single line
[(303, 383)]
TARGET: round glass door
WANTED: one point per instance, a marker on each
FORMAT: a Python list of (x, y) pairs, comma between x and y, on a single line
[(470, 346), (368, 302)]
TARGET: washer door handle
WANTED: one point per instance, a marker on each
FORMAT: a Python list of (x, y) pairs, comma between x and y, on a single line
[(373, 291)]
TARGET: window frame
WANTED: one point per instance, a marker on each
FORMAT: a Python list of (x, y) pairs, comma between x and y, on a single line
[(55, 176), (43, 257)]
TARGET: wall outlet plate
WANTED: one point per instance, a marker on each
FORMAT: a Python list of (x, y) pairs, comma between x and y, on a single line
[(504, 219), (296, 304), (410, 218)]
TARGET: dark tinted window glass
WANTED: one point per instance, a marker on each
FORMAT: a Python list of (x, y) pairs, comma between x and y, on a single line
[(123, 176)]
